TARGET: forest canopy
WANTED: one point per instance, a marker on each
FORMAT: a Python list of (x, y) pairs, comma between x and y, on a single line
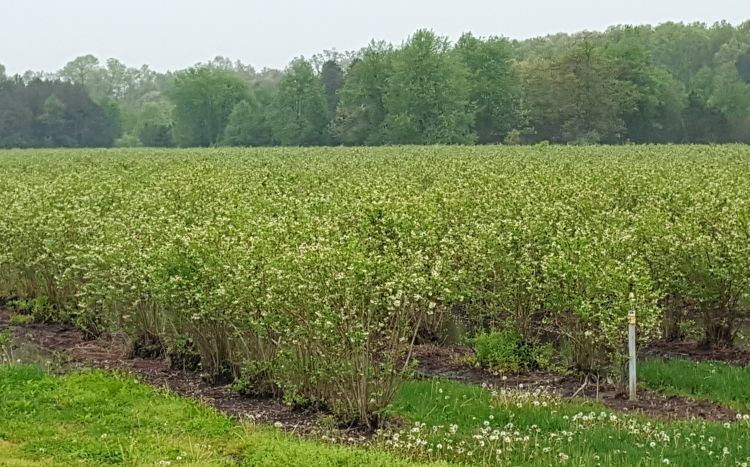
[(671, 83)]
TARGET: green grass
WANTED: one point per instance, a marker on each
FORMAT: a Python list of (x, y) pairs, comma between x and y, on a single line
[(717, 382), (21, 320), (542, 430), (97, 418)]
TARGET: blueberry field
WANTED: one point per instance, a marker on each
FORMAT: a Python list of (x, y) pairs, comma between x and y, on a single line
[(310, 275)]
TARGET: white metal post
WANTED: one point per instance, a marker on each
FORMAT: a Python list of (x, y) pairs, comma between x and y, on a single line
[(632, 354)]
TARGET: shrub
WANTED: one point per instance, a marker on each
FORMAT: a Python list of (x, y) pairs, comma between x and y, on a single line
[(311, 271), (21, 319), (507, 351)]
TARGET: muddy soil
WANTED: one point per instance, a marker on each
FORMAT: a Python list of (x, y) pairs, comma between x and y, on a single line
[(451, 363), (64, 348), (698, 352)]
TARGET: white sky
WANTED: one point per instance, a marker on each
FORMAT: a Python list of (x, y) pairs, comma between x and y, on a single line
[(173, 34)]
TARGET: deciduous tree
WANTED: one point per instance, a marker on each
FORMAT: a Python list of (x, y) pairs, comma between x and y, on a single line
[(203, 99), (299, 116), (427, 97), (494, 87)]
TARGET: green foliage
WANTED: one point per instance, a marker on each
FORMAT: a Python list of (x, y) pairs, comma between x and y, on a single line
[(156, 136), (683, 49), (494, 86), (128, 141), (271, 450), (38, 307), (576, 97), (53, 114), (697, 255), (507, 351), (361, 110), (332, 77), (203, 101), (672, 83), (6, 348), (659, 99), (21, 319), (255, 380), (299, 116), (248, 125), (717, 382), (426, 100), (742, 64), (151, 123), (460, 423), (514, 137), (313, 269), (80, 70), (53, 121), (95, 418)]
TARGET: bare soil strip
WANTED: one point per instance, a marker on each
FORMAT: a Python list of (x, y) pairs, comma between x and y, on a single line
[(450, 363), (66, 349), (699, 353)]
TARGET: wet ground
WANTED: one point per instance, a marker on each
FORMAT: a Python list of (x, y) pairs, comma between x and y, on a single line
[(697, 352), (62, 348), (450, 363)]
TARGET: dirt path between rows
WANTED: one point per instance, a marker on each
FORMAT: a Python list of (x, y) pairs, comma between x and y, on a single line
[(449, 363), (697, 352), (66, 350)]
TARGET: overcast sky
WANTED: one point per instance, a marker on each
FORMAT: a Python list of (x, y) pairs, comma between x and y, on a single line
[(173, 34)]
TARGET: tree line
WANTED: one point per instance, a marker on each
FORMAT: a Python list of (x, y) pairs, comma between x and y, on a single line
[(672, 83)]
